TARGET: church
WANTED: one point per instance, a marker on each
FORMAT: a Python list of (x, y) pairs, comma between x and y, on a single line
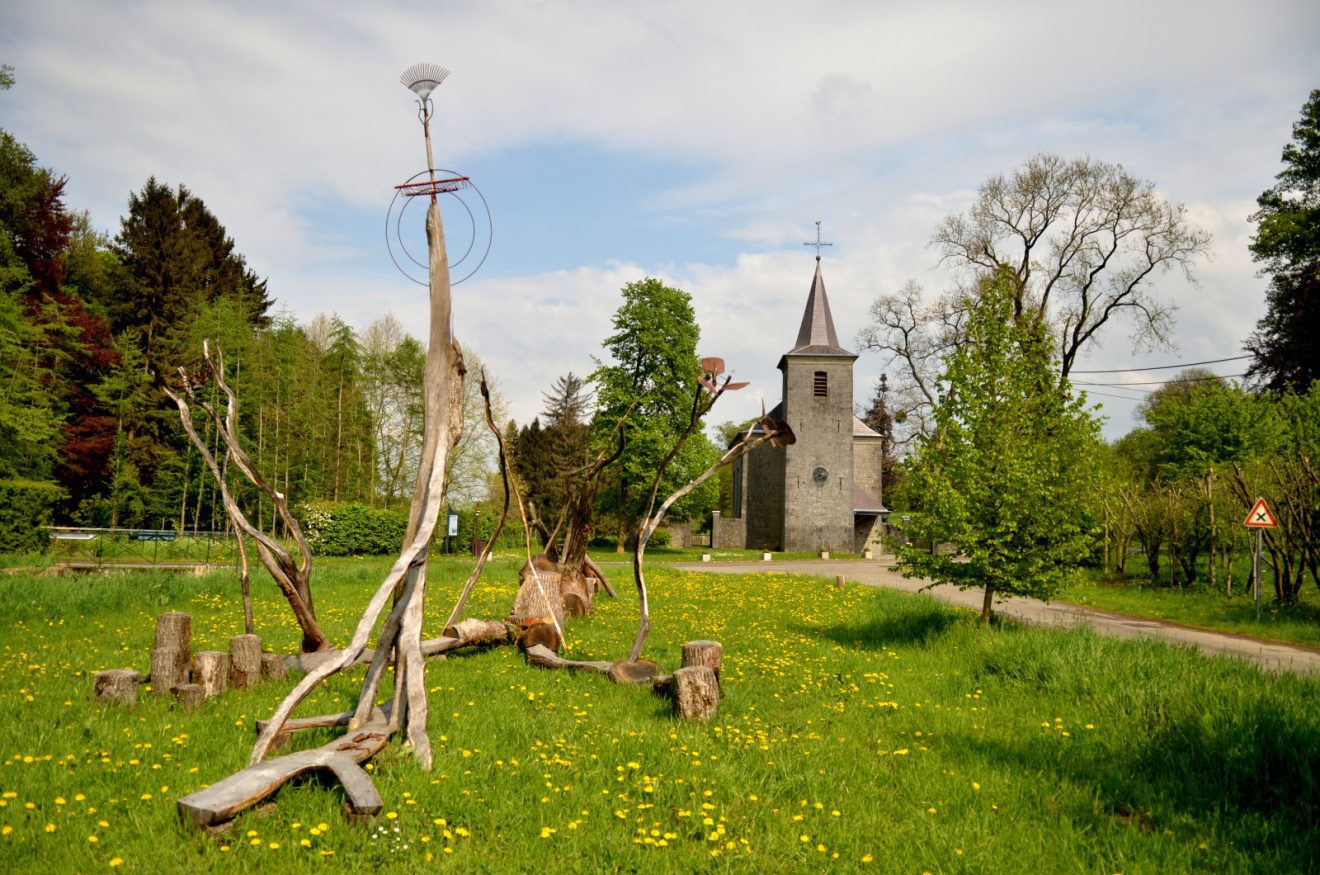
[(822, 492)]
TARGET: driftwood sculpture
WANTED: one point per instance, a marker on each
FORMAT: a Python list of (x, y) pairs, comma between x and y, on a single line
[(293, 577), (400, 639)]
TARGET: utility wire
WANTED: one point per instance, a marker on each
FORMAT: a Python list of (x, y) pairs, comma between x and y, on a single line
[(1162, 382), (1164, 367)]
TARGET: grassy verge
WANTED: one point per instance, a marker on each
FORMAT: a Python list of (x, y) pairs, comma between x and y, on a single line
[(1198, 606), (861, 728)]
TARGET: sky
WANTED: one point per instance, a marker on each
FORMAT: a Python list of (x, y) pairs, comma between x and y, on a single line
[(698, 142)]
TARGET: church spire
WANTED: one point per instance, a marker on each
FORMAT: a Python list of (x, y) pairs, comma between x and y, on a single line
[(816, 335)]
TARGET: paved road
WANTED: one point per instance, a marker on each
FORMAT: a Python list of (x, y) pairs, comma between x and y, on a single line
[(1267, 654)]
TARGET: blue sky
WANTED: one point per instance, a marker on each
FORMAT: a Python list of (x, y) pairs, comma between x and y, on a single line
[(698, 142)]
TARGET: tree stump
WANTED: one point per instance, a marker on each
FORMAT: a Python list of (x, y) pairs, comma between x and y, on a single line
[(540, 632), (696, 693), (575, 595), (210, 668), (169, 656), (272, 667), (707, 653), (174, 631), (244, 660), (639, 672), (190, 696), (538, 596), (116, 686)]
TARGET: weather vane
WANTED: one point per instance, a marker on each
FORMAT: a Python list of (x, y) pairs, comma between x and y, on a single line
[(817, 242), (421, 80)]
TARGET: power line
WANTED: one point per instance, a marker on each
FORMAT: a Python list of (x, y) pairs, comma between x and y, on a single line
[(1162, 382), (1165, 367)]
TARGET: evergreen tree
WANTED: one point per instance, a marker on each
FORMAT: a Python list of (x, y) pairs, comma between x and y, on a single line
[(1009, 474), (878, 418), (176, 256), (1286, 343)]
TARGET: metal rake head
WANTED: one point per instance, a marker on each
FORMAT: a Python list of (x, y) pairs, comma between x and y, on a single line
[(422, 79)]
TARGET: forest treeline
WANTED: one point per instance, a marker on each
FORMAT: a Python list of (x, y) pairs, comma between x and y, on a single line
[(90, 324)]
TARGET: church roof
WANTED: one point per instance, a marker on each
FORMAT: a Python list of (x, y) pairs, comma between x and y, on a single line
[(861, 429), (866, 503), (816, 335)]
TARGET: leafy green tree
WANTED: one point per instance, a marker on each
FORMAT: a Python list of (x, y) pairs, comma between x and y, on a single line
[(1286, 342), (651, 381), (1009, 475)]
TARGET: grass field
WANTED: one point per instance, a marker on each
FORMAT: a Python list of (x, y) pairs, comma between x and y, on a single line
[(1199, 605), (860, 730)]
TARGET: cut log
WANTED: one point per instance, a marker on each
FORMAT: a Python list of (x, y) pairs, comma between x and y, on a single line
[(210, 668), (575, 595), (663, 686), (190, 696), (478, 632), (639, 672), (272, 666), (244, 661), (341, 757), (540, 633), (696, 693), (170, 655), (169, 668), (116, 686), (707, 653), (174, 631), (538, 596), (543, 657)]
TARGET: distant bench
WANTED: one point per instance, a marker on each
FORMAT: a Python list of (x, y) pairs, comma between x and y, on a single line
[(151, 535)]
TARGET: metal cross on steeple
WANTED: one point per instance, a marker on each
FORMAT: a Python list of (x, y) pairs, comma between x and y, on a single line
[(817, 242)]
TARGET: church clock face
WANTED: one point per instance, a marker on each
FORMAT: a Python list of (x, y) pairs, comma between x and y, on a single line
[(820, 475)]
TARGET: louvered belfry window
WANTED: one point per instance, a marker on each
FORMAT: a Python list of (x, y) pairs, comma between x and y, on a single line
[(820, 384)]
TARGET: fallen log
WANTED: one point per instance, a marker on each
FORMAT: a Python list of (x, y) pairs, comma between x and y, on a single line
[(341, 757), (304, 662), (543, 657)]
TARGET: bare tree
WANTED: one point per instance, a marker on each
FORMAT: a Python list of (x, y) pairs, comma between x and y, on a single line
[(1084, 240), (917, 337)]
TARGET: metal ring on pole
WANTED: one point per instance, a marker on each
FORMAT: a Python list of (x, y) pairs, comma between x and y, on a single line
[(451, 184)]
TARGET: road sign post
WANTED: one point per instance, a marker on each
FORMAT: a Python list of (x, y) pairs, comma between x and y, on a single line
[(1259, 519)]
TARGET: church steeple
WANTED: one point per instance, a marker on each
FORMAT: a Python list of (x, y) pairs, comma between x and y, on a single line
[(816, 335)]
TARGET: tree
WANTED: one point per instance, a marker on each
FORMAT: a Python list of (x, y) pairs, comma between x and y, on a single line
[(654, 349), (1082, 241), (176, 255), (878, 418), (1286, 342), (1009, 474)]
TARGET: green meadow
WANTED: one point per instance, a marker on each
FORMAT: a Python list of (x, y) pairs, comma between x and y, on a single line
[(861, 730)]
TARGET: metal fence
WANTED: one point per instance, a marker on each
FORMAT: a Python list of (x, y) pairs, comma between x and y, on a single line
[(83, 547)]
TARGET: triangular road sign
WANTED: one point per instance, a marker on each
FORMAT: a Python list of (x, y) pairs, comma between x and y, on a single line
[(1260, 516)]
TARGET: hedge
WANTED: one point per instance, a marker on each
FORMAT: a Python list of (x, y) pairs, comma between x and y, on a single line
[(353, 529), (25, 512)]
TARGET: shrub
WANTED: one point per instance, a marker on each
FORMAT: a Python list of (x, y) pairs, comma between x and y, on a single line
[(352, 529), (25, 512)]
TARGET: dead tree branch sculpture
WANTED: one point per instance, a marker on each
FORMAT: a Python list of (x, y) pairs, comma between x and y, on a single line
[(293, 577)]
